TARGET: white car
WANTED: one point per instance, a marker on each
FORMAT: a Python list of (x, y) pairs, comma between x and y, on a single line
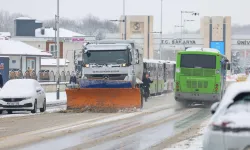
[(22, 94), (229, 127)]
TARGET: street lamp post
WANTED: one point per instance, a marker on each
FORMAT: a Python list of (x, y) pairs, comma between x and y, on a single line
[(58, 53), (161, 30)]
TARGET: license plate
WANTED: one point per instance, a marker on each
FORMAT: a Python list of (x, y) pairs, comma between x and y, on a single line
[(12, 103)]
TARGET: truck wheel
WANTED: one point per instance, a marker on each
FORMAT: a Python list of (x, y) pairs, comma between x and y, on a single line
[(142, 99)]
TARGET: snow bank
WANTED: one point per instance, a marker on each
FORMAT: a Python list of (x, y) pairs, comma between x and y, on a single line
[(192, 143)]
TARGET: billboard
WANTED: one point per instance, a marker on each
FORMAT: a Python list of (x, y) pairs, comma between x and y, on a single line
[(218, 45)]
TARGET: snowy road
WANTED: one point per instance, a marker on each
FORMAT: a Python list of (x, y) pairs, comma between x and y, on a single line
[(157, 126)]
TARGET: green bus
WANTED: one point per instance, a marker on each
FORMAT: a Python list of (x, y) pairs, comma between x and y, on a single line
[(200, 75)]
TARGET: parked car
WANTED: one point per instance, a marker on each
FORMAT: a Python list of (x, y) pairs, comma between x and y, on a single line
[(22, 94), (229, 127)]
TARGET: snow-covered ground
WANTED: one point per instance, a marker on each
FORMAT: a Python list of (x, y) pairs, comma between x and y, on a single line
[(194, 143), (51, 97)]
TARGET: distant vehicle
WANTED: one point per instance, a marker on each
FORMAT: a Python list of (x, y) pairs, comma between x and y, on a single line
[(161, 73), (229, 127), (200, 75), (22, 94)]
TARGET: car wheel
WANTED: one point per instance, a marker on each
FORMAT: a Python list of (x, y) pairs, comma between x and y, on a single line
[(44, 106), (35, 108), (9, 111)]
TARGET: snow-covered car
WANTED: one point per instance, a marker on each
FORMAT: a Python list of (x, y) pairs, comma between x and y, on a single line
[(229, 127), (22, 94)]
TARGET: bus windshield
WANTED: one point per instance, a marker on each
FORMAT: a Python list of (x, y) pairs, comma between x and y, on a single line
[(198, 61), (107, 56)]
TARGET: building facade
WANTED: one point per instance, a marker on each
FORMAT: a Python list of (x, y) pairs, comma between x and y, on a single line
[(215, 32)]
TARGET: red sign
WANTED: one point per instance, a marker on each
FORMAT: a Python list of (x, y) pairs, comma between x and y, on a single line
[(1, 66), (77, 39)]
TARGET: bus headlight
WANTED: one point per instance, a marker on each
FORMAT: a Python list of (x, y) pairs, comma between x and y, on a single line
[(178, 70), (123, 65), (217, 71)]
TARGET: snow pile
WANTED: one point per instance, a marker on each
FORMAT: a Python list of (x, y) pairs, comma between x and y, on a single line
[(194, 143)]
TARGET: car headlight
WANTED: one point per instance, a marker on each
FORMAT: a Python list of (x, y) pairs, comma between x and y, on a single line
[(27, 97), (123, 65)]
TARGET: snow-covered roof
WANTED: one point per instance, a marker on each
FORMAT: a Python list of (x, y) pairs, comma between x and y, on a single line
[(203, 49), (24, 18), (5, 34), (53, 62), (50, 32), (38, 21), (11, 47)]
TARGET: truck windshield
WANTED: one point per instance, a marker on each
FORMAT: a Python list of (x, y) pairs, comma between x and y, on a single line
[(107, 57), (198, 61)]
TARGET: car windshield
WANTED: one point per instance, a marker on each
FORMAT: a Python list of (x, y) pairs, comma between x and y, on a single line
[(198, 61), (107, 57)]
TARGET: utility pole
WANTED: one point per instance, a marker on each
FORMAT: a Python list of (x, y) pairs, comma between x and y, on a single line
[(58, 54), (161, 29), (124, 32)]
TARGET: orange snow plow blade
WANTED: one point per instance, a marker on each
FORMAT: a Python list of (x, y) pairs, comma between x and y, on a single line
[(110, 98)]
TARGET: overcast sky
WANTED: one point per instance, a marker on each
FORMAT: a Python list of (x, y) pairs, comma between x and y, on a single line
[(112, 9)]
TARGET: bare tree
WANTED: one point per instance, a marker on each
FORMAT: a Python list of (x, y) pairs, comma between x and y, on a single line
[(89, 25), (7, 21)]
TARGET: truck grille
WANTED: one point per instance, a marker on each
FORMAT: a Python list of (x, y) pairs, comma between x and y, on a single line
[(197, 84), (197, 72)]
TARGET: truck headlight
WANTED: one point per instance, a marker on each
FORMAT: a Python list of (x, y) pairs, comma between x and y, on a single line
[(87, 65)]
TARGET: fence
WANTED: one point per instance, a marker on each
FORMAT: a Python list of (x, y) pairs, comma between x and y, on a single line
[(42, 76)]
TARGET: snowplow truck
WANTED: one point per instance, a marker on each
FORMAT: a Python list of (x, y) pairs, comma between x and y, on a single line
[(111, 77)]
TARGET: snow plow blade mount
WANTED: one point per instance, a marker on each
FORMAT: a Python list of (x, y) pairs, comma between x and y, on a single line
[(103, 98)]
